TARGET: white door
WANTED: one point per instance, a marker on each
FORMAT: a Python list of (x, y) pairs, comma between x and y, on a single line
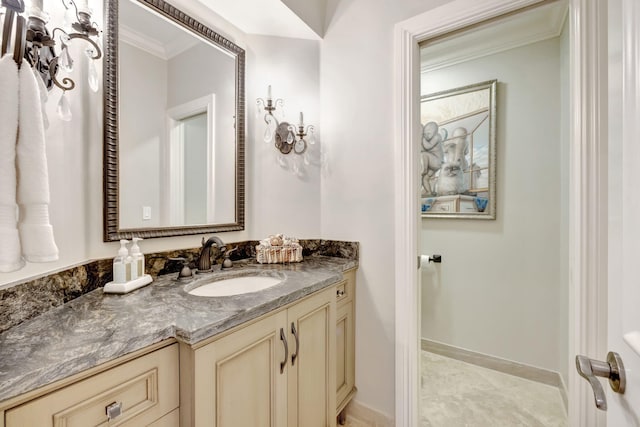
[(623, 294), (624, 207)]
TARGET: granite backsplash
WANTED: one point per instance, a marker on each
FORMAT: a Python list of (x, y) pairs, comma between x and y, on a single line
[(32, 297)]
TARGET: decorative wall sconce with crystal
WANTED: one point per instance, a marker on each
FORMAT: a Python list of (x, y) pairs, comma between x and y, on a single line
[(288, 138), (39, 44)]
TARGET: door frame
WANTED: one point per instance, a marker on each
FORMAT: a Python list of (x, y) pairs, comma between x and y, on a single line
[(588, 189)]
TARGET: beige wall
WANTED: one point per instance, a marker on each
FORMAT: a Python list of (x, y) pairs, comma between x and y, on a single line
[(502, 286)]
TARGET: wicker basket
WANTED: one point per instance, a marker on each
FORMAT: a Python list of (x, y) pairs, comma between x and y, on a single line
[(278, 254)]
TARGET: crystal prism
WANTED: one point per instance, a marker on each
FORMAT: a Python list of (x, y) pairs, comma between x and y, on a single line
[(94, 80), (64, 108), (66, 62), (268, 135)]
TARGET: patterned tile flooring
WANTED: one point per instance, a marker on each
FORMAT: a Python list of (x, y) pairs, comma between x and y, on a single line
[(459, 394)]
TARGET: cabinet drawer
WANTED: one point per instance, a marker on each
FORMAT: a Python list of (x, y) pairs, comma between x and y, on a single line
[(145, 388), (346, 290), (342, 291)]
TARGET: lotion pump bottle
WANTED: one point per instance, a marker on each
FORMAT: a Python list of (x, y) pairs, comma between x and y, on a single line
[(131, 267), (122, 270), (137, 257)]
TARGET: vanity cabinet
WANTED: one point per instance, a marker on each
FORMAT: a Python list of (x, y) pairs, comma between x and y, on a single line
[(141, 392), (291, 367), (277, 371), (345, 341)]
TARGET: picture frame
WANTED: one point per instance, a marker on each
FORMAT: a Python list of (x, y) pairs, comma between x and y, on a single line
[(458, 152)]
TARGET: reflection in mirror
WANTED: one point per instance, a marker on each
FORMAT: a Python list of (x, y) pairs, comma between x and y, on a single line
[(179, 147)]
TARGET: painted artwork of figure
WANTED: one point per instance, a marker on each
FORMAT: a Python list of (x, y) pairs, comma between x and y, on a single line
[(431, 156), (451, 178), (457, 152)]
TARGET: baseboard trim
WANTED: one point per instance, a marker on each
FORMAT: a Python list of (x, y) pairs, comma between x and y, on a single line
[(368, 416), (510, 367)]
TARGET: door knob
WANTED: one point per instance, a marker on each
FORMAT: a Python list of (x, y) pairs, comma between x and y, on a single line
[(613, 369)]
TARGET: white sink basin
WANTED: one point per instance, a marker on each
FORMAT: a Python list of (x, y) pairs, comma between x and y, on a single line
[(235, 286)]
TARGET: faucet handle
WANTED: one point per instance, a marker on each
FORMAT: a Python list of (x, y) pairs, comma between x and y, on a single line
[(185, 271), (227, 263)]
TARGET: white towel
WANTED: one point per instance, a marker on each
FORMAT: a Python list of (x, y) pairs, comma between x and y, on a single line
[(10, 252), (36, 233), (44, 97)]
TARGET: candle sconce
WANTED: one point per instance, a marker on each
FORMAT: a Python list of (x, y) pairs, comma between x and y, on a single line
[(288, 138), (38, 43)]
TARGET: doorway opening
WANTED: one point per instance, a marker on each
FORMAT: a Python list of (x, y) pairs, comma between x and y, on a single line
[(495, 311)]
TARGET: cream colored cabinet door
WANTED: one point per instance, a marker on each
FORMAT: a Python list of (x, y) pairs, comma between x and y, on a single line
[(345, 340), (345, 360), (312, 378), (238, 380), (276, 372)]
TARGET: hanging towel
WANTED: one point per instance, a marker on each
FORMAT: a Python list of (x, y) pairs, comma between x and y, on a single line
[(10, 252), (44, 97), (36, 233)]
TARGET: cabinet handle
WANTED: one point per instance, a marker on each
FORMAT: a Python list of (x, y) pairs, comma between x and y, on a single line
[(114, 410), (295, 334), (339, 293), (283, 337)]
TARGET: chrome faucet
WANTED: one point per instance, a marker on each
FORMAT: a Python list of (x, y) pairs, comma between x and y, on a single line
[(204, 260)]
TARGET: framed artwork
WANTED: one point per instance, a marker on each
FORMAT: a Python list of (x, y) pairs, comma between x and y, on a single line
[(458, 152)]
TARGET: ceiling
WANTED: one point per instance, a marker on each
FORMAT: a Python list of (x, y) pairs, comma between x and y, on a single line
[(264, 17)]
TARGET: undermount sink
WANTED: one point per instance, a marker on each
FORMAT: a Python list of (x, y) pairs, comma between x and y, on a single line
[(235, 286)]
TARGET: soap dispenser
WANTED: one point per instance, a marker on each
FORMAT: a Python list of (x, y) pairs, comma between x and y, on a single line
[(137, 257), (122, 269)]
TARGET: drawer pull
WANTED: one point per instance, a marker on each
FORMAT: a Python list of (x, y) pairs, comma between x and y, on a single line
[(114, 410), (295, 334), (340, 293), (286, 350)]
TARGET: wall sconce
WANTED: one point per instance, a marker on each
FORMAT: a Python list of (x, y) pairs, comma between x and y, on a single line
[(39, 44), (288, 138)]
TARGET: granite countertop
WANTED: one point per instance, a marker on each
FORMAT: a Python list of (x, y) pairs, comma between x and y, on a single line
[(96, 327)]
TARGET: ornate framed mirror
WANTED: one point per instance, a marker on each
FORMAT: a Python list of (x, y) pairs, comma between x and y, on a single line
[(174, 124)]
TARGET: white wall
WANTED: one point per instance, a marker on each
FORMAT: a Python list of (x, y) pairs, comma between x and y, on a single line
[(357, 186), (282, 202), (499, 289)]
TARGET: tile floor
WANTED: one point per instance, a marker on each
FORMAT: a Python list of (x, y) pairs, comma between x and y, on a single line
[(459, 394)]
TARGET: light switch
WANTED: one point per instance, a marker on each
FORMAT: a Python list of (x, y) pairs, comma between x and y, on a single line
[(146, 213)]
